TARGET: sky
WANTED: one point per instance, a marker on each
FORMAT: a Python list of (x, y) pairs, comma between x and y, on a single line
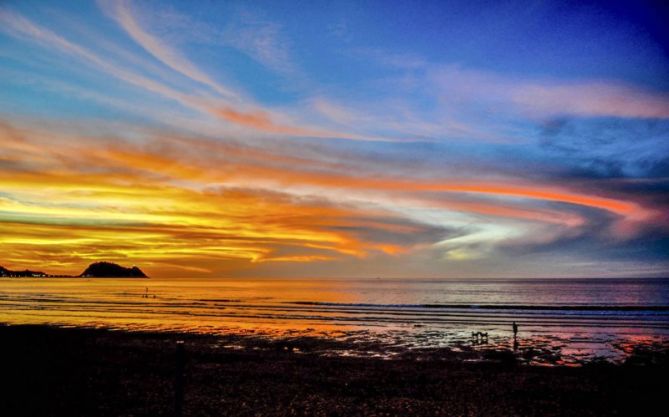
[(336, 139)]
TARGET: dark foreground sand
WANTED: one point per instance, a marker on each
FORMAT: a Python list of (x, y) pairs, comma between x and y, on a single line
[(78, 372)]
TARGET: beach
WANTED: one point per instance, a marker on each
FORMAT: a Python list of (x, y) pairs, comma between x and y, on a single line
[(565, 322), (50, 371)]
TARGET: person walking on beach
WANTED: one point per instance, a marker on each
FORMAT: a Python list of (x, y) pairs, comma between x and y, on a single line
[(515, 330)]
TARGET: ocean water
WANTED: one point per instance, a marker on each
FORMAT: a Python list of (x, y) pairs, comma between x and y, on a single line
[(570, 320)]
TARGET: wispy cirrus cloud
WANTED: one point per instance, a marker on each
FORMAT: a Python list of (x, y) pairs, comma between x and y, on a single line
[(261, 40), (549, 98), (123, 13), (245, 115), (16, 25)]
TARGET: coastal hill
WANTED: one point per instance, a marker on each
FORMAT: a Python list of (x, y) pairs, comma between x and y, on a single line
[(4, 272), (111, 270), (94, 270)]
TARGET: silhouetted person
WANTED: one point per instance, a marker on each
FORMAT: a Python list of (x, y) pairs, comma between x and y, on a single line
[(515, 335)]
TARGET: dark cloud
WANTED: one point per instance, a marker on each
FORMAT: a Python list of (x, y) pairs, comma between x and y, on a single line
[(650, 243), (604, 147)]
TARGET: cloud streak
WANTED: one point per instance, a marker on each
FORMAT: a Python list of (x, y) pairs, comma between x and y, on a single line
[(258, 120), (122, 12), (550, 98)]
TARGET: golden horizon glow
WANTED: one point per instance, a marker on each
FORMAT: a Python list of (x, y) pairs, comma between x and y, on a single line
[(166, 208)]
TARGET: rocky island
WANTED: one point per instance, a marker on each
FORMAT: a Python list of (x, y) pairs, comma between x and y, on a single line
[(94, 270), (111, 270)]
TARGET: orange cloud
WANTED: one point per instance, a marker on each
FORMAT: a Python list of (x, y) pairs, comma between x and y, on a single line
[(542, 192), (190, 202), (261, 121)]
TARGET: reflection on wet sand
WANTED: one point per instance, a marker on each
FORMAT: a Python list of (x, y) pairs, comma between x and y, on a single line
[(370, 318)]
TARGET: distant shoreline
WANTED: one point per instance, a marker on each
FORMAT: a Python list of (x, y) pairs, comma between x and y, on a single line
[(79, 277), (94, 270)]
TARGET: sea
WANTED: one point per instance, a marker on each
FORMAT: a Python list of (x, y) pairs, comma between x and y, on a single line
[(572, 321)]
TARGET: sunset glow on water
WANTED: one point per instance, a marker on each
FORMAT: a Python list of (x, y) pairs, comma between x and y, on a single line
[(579, 319)]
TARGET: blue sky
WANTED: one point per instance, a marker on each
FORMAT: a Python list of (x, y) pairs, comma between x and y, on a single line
[(477, 138)]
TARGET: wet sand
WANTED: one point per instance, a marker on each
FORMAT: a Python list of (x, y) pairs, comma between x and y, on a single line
[(562, 322), (48, 371)]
